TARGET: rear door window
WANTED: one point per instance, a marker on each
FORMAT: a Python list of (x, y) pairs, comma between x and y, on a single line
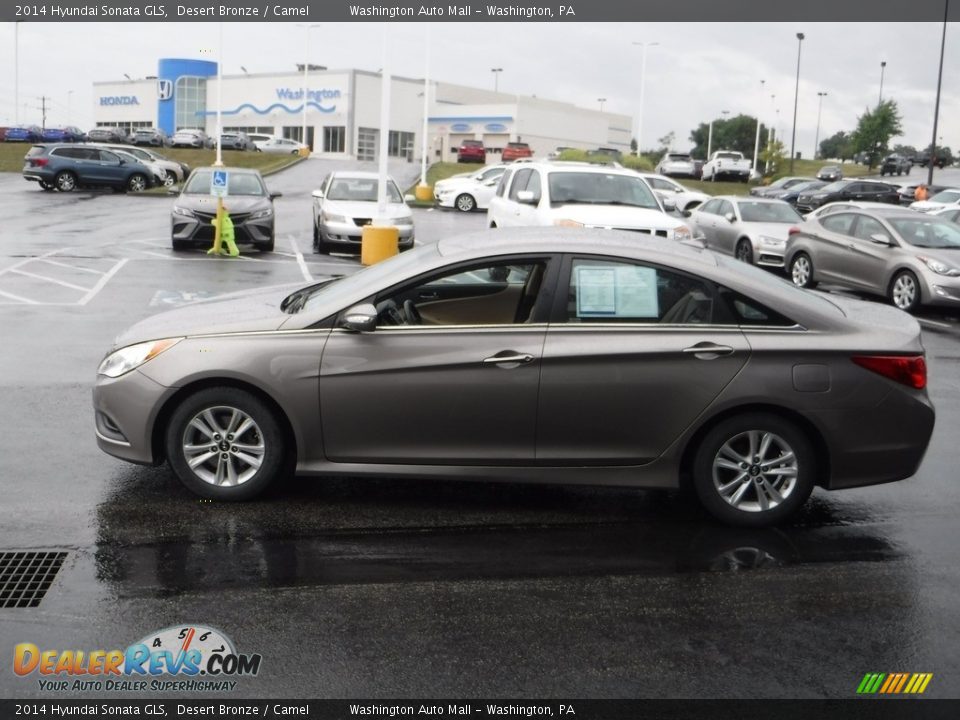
[(839, 223)]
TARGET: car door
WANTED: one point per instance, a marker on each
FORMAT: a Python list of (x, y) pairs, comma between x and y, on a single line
[(832, 245), (516, 213), (633, 356), (865, 265), (456, 385), (727, 230), (109, 169), (705, 221)]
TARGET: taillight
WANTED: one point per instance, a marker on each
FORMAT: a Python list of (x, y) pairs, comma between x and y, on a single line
[(39, 162), (908, 370)]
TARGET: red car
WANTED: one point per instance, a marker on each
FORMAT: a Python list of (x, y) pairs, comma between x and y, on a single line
[(472, 151), (515, 151)]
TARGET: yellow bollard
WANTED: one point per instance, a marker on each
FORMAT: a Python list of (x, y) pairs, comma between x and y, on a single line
[(423, 193), (378, 243)]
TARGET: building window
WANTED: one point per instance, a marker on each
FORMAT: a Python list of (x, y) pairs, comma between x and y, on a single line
[(400, 144), (334, 139), (295, 132), (191, 102), (368, 140), (259, 129)]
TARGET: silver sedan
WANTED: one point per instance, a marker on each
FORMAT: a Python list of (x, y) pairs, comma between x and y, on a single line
[(911, 258), (545, 355), (752, 229)]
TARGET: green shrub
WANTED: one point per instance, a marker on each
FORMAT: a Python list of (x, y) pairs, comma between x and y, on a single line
[(628, 161)]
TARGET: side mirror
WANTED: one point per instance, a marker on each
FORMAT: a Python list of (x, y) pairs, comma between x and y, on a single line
[(317, 194), (731, 217), (360, 318), (527, 196), (687, 213), (669, 204), (880, 239), (275, 195)]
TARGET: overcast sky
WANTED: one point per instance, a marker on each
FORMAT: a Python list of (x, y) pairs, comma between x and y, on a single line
[(695, 72)]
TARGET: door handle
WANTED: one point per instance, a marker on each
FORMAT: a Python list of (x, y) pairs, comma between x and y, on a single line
[(708, 350), (516, 358), (429, 296)]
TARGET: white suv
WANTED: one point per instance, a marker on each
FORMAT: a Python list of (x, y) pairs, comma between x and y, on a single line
[(580, 194)]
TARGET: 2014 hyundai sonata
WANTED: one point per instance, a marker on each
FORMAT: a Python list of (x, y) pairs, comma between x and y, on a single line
[(552, 355)]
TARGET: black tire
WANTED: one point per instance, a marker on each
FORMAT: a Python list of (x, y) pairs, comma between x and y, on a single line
[(753, 491), (179, 245), (801, 271), (169, 179), (220, 402), (65, 181), (137, 183), (904, 291), (465, 202), (744, 251)]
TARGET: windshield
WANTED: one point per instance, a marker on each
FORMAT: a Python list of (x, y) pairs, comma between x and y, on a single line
[(768, 212), (947, 196), (729, 156), (927, 232), (237, 184), (361, 190), (593, 188), (678, 158)]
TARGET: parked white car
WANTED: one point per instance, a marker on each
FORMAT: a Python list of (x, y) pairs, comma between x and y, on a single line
[(470, 191), (280, 145), (942, 200), (582, 195), (173, 172), (345, 202), (676, 163), (754, 230), (729, 164), (670, 190)]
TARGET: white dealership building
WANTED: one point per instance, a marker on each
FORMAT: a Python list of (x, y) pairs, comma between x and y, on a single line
[(343, 111)]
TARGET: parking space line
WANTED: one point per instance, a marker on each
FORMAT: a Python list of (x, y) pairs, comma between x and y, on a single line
[(32, 259), (161, 255), (71, 267), (103, 281), (49, 279), (303, 266), (20, 300)]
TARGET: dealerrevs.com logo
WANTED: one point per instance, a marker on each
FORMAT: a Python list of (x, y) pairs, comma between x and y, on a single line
[(181, 658)]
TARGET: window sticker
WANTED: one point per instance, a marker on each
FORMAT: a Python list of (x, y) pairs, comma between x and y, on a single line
[(624, 291)]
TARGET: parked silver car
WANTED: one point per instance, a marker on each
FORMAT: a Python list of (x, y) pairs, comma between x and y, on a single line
[(911, 258), (345, 202), (752, 229), (550, 355)]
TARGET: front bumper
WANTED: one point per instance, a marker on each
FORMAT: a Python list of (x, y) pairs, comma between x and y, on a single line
[(349, 234), (200, 229), (125, 412)]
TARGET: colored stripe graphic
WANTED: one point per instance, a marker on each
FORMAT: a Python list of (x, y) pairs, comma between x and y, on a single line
[(894, 683)]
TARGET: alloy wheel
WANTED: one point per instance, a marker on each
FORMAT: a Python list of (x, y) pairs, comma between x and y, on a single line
[(755, 471), (223, 446), (800, 271), (905, 291)]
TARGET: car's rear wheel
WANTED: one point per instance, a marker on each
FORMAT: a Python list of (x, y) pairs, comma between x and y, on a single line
[(225, 444), (137, 182), (65, 181), (801, 271), (905, 291), (745, 251), (465, 203), (754, 469)]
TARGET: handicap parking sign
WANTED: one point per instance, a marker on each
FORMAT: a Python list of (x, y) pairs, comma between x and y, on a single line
[(219, 183)]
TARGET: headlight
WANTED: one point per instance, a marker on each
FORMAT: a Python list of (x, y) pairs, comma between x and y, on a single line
[(773, 242), (183, 211), (941, 268), (328, 217), (682, 233), (266, 212), (133, 356), (402, 221)]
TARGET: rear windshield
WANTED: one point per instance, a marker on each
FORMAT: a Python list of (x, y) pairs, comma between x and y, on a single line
[(519, 146), (677, 156), (471, 143), (36, 150), (768, 212)]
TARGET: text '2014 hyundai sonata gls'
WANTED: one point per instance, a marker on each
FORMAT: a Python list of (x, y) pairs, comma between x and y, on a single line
[(550, 355)]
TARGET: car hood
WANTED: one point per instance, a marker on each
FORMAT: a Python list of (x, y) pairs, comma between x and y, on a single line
[(614, 216), (927, 205), (456, 181), (235, 203), (244, 311), (365, 209)]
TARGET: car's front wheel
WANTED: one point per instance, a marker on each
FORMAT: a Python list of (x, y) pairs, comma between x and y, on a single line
[(801, 271), (465, 203), (169, 179), (745, 251), (225, 444), (754, 469), (137, 183)]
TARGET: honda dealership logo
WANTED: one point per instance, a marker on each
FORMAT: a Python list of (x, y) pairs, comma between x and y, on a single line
[(164, 89)]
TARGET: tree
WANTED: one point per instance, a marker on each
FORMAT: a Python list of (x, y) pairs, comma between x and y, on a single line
[(736, 133), (838, 145), (875, 128), (773, 157)]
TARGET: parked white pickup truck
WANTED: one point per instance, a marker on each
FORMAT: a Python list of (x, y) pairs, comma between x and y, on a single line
[(727, 164)]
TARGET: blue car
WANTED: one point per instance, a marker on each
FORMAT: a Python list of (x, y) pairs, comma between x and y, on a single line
[(24, 133), (68, 134), (67, 167)]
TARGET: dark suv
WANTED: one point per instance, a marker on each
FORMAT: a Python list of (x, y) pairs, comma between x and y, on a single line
[(67, 167), (895, 164), (472, 151), (864, 190)]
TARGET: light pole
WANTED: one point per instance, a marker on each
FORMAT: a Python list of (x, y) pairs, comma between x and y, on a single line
[(643, 77), (496, 78), (306, 66), (601, 101), (219, 160), (710, 134), (936, 111), (796, 96), (883, 65), (816, 142), (756, 141), (772, 133), (16, 73), (426, 112)]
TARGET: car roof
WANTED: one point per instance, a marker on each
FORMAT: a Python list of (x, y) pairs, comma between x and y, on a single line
[(556, 239), (557, 166)]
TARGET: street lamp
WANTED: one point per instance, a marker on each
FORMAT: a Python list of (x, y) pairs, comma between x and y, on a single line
[(643, 77), (816, 142), (796, 96), (16, 73), (306, 66), (601, 101), (936, 111), (756, 141), (883, 64), (496, 78), (710, 134)]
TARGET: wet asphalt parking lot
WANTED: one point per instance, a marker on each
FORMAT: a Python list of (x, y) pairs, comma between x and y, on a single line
[(379, 588)]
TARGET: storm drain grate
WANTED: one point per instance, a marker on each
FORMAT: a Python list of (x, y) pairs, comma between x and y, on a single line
[(25, 577)]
